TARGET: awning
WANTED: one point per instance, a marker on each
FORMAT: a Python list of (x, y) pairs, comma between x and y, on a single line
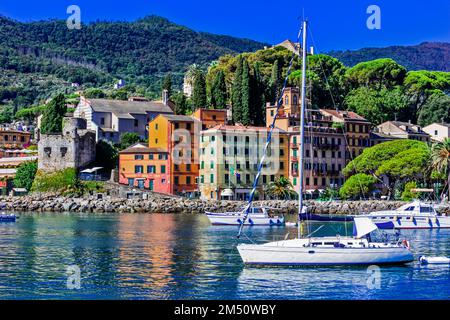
[(227, 193)]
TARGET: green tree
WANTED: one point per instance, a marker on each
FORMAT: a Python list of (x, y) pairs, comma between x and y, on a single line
[(276, 81), (440, 159), (281, 189), (378, 106), (25, 175), (219, 91), (106, 155), (245, 95), (356, 186), (128, 139), (53, 115), (407, 194), (167, 84), (236, 91), (258, 101), (398, 160), (435, 109), (199, 90), (94, 93), (181, 105), (376, 74)]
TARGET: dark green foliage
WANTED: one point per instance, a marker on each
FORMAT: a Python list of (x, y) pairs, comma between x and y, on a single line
[(128, 139), (25, 175), (245, 94), (276, 82), (199, 91), (258, 99), (94, 93), (425, 56), (236, 91), (219, 91), (53, 115), (436, 109), (181, 103), (167, 84), (357, 186), (107, 155)]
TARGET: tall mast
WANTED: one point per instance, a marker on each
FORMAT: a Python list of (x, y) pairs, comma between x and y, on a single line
[(302, 128)]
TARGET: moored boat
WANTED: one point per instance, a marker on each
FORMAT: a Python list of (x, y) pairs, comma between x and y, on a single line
[(7, 217), (258, 216), (413, 215)]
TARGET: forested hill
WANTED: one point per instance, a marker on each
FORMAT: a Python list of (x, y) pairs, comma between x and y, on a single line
[(139, 50), (434, 56)]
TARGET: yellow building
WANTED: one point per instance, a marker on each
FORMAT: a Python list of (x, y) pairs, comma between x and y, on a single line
[(229, 159)]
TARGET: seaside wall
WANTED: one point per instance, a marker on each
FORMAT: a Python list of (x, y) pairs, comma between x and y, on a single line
[(160, 204)]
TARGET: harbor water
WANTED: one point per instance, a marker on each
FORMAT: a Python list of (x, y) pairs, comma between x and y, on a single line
[(132, 256)]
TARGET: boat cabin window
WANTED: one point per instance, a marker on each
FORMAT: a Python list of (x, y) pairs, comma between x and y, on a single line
[(410, 208), (257, 210), (426, 209), (329, 243)]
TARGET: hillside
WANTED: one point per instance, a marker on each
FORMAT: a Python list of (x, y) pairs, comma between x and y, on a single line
[(434, 56), (141, 51)]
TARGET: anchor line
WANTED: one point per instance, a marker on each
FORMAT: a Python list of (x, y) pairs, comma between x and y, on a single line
[(269, 138)]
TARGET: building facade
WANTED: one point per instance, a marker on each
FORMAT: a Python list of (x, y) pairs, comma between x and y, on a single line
[(14, 139), (145, 168), (289, 112), (229, 158), (74, 148), (438, 131), (210, 117), (109, 119), (403, 130), (324, 153)]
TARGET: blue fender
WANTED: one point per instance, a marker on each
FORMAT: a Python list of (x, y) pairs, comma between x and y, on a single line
[(250, 221)]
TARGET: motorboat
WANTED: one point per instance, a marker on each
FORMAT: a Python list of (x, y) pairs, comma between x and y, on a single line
[(413, 215), (257, 216)]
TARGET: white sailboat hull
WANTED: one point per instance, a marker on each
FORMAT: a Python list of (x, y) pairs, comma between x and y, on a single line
[(284, 254), (392, 220), (238, 218)]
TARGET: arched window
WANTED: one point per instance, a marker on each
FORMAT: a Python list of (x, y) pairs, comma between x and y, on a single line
[(295, 100), (286, 100)]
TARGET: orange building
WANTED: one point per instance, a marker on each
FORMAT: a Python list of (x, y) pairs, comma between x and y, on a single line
[(289, 112), (14, 139), (144, 167), (210, 117)]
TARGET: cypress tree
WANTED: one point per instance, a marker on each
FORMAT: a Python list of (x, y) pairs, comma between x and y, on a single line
[(167, 84), (258, 97), (236, 96), (275, 81), (219, 91), (199, 92), (53, 115), (246, 95)]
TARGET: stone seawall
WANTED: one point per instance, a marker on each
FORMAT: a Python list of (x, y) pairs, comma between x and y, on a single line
[(159, 204)]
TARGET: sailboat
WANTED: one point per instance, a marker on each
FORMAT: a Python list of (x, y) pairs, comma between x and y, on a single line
[(337, 250)]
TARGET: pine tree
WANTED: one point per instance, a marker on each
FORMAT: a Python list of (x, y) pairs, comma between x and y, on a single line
[(199, 92), (246, 95), (236, 95), (180, 101), (53, 115), (219, 91), (167, 84)]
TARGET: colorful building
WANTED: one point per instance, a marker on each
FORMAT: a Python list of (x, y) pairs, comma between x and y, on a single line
[(14, 139), (229, 158), (144, 167), (324, 153), (289, 112), (403, 130), (210, 117)]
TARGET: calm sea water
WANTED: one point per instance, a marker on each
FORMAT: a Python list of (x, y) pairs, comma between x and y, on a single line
[(183, 257)]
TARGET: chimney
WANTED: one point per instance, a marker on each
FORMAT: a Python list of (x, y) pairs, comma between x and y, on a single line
[(165, 97)]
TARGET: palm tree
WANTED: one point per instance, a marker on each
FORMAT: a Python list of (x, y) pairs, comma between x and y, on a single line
[(440, 159), (281, 189)]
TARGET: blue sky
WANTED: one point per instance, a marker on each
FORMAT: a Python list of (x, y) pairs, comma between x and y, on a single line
[(335, 24)]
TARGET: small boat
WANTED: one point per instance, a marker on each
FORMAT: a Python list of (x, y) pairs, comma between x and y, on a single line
[(434, 260), (257, 216), (413, 215), (7, 217)]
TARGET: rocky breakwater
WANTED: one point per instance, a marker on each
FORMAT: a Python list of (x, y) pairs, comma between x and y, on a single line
[(162, 204)]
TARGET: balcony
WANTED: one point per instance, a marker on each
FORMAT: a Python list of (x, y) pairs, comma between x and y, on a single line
[(294, 158), (294, 145), (331, 146)]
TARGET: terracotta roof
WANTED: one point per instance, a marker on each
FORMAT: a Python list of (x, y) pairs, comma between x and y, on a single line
[(174, 117), (344, 115), (141, 148)]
